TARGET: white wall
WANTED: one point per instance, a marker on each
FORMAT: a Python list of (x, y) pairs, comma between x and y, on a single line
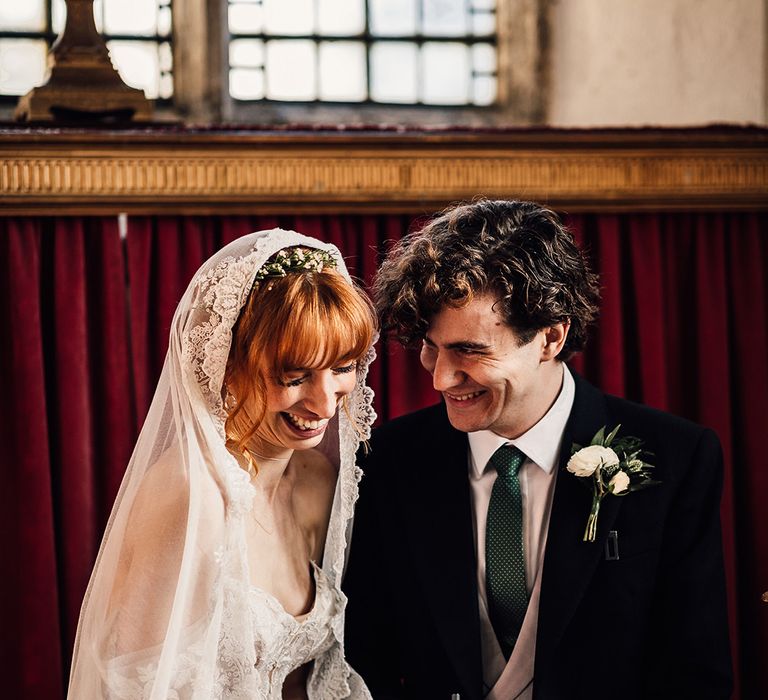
[(657, 62)]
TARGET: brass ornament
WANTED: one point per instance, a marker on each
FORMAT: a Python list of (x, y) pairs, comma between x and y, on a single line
[(83, 85)]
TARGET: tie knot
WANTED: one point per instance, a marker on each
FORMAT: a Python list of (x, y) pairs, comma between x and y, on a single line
[(507, 460)]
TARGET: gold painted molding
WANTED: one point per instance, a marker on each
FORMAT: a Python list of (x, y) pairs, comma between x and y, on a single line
[(185, 172)]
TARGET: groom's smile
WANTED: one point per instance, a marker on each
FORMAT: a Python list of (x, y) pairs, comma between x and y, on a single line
[(463, 397)]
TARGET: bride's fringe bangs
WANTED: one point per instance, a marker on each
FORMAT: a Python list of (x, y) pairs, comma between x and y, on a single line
[(324, 322)]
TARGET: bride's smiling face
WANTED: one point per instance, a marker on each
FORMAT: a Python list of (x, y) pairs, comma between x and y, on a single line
[(300, 404), (294, 356)]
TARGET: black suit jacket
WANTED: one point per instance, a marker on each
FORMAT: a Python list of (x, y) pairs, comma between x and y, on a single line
[(651, 624)]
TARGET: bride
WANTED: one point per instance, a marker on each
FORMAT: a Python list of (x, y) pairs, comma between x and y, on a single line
[(219, 572)]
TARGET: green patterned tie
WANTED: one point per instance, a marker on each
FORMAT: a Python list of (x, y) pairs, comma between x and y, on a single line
[(504, 555)]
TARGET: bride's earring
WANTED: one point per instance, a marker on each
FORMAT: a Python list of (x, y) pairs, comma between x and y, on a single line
[(230, 402)]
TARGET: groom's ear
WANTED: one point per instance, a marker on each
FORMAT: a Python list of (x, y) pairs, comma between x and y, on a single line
[(554, 339)]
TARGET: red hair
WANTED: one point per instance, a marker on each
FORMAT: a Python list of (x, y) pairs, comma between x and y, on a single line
[(303, 320)]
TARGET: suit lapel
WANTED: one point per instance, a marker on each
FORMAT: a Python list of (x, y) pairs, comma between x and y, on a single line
[(569, 563), (438, 508)]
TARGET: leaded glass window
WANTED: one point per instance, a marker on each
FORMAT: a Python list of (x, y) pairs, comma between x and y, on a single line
[(138, 34), (431, 52)]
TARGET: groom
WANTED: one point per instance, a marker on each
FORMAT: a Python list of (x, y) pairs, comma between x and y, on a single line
[(469, 576)]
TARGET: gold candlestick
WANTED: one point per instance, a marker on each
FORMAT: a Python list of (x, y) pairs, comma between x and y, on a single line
[(83, 85)]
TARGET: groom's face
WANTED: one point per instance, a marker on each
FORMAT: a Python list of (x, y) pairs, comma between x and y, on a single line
[(488, 379)]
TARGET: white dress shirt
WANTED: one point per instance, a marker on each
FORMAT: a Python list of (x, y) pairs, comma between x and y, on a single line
[(541, 447)]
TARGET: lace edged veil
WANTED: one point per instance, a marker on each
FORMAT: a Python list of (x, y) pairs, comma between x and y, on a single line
[(165, 614)]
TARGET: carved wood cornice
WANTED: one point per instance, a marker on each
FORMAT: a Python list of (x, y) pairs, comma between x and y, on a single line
[(192, 171)]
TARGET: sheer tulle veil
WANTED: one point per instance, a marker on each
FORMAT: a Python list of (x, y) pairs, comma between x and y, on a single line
[(166, 611)]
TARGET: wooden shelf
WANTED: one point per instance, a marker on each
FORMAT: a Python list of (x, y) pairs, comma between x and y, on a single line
[(180, 170)]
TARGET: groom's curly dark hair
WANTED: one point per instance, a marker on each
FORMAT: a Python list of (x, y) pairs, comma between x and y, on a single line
[(518, 251)]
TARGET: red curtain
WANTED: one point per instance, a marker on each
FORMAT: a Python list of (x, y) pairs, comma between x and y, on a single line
[(684, 327), (67, 430)]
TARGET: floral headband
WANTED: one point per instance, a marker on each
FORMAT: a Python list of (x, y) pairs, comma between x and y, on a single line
[(297, 260)]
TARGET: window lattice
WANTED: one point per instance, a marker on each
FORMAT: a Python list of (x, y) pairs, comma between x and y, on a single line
[(432, 52)]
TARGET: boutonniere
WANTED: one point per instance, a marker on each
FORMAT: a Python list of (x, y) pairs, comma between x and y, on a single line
[(615, 466)]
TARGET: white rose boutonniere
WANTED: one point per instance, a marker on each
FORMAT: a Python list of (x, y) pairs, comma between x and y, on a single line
[(614, 466), (588, 459)]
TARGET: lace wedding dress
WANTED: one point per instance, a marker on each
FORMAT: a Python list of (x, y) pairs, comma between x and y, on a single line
[(170, 611)]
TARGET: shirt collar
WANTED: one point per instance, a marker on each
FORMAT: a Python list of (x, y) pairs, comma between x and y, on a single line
[(540, 444)]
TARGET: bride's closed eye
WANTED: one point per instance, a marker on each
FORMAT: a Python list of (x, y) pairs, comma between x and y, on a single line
[(293, 382), (345, 369), (298, 381)]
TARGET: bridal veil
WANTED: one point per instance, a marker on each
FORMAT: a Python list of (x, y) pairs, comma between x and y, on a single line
[(166, 612)]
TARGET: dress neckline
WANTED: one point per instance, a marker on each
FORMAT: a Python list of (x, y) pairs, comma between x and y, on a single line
[(319, 578)]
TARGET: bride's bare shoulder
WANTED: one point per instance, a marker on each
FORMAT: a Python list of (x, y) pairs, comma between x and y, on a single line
[(162, 497)]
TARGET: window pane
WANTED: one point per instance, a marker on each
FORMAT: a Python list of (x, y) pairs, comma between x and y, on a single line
[(394, 69), (483, 24), (23, 15), (289, 17), (22, 65), (342, 71), (340, 17), (165, 54), (445, 68), (98, 14), (138, 17), (392, 17), (246, 18), (164, 21), (166, 86), (484, 4), (445, 17), (483, 58), (58, 16), (246, 83), (484, 90), (246, 53), (138, 64), (291, 70)]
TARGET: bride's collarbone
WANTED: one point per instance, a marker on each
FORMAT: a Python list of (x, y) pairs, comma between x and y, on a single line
[(303, 496)]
